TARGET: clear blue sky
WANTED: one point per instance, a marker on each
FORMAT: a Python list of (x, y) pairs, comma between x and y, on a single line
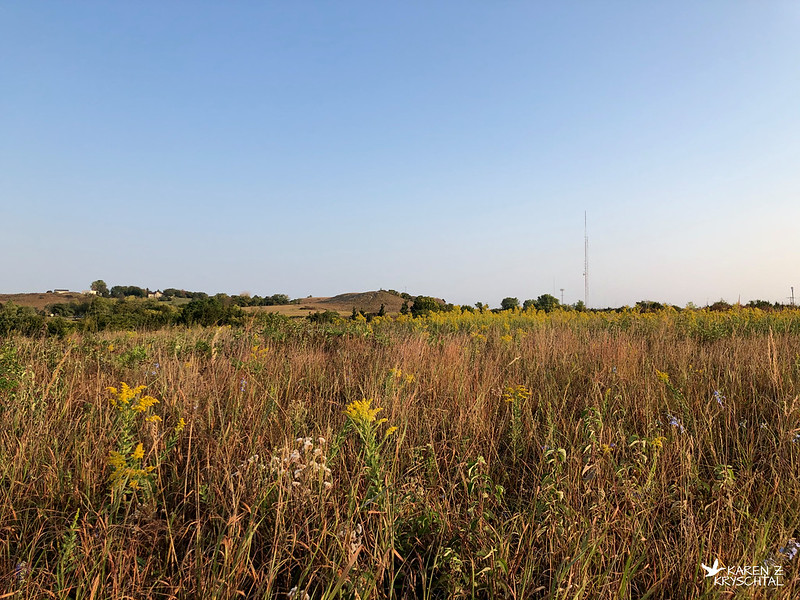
[(445, 148)]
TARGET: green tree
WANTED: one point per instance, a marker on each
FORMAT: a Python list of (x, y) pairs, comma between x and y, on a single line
[(424, 304), (100, 287), (547, 303), (509, 303), (646, 306), (720, 306), (211, 311), (329, 316), (760, 304), (123, 291)]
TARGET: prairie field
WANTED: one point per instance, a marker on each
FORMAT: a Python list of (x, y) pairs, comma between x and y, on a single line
[(456, 455)]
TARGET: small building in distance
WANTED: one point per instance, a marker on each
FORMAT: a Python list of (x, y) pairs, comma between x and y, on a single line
[(60, 291), (157, 294)]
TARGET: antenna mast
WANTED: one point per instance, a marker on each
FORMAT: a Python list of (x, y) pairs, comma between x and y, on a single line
[(585, 262)]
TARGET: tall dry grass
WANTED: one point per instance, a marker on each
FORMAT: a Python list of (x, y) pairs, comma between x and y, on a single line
[(630, 449)]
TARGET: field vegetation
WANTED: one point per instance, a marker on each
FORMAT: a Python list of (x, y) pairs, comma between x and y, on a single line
[(458, 454)]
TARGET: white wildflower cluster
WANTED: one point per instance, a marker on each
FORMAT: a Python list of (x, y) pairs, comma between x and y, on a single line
[(352, 538), (252, 462), (296, 594), (304, 464)]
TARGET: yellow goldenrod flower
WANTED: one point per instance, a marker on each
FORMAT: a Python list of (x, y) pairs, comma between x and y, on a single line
[(390, 431), (123, 395), (138, 454), (181, 424), (516, 393), (116, 460), (144, 403), (360, 411), (664, 377)]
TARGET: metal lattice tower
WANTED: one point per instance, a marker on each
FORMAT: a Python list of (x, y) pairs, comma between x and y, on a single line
[(585, 262)]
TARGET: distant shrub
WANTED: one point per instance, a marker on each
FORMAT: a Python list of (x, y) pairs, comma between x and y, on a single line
[(211, 311), (60, 327), (760, 304), (328, 316), (63, 309), (22, 319), (276, 300), (123, 291), (646, 306), (425, 304), (720, 306)]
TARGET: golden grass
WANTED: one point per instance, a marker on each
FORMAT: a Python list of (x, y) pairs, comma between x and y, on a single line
[(605, 481)]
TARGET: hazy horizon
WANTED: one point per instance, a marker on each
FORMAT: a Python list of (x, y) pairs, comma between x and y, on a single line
[(447, 149)]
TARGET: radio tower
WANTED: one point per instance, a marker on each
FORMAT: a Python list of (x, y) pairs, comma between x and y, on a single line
[(585, 262)]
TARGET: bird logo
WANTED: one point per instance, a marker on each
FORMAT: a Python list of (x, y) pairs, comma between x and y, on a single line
[(711, 571)]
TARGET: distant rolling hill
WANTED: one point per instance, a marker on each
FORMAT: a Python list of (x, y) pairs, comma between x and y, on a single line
[(369, 302), (40, 301)]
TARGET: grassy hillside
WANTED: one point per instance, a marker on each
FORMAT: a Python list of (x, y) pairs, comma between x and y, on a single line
[(43, 300), (369, 302)]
